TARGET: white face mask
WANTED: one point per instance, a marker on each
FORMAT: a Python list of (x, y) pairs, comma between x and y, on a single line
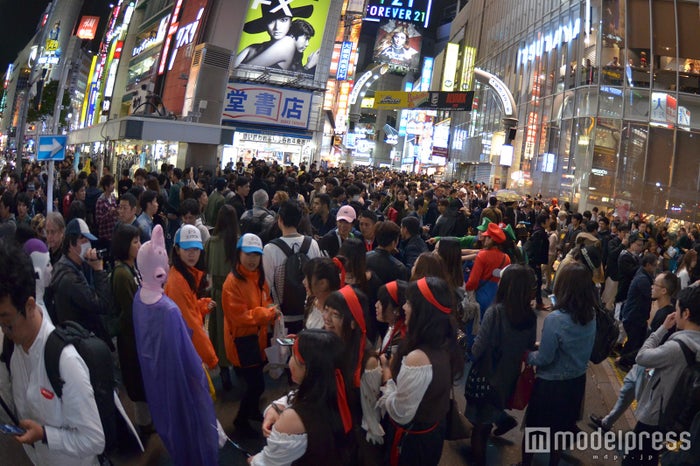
[(84, 248)]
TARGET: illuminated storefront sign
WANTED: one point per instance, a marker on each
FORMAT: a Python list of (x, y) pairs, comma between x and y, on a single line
[(503, 93), (450, 69), (563, 34), (468, 60), (88, 27), (171, 32), (154, 38), (185, 36), (414, 11), (344, 61), (252, 103)]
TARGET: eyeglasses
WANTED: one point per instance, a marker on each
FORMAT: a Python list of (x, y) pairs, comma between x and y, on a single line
[(8, 324)]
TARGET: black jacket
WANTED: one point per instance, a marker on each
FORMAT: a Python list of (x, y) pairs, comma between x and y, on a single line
[(627, 265), (387, 267), (82, 295), (537, 247), (411, 249)]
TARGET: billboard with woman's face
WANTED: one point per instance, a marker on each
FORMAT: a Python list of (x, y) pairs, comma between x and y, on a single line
[(398, 44), (282, 36)]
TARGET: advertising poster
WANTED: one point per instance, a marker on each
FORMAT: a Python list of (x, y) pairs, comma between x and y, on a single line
[(398, 44), (282, 36), (252, 103)]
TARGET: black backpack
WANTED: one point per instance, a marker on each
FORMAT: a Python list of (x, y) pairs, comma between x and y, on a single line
[(290, 282), (606, 334), (679, 411), (98, 359)]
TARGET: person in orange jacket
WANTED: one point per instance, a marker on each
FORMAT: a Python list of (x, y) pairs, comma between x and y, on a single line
[(185, 285), (248, 310)]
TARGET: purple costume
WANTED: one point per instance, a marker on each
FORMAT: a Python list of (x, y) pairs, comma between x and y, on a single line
[(177, 390), (176, 386)]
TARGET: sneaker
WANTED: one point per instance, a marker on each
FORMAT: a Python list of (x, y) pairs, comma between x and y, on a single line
[(598, 422), (509, 424)]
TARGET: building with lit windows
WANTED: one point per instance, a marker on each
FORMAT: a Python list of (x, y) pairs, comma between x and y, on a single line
[(607, 95)]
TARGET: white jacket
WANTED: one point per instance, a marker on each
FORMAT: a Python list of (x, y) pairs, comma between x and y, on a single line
[(72, 423)]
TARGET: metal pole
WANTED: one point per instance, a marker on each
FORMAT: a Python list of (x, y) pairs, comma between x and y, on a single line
[(66, 66), (22, 120)]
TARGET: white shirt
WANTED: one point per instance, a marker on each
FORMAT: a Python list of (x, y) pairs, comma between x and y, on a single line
[(72, 423), (401, 399), (273, 258)]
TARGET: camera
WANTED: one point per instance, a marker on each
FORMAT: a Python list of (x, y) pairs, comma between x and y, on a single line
[(102, 253)]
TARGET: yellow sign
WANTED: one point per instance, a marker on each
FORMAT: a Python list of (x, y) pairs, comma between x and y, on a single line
[(468, 60), (51, 45), (389, 100)]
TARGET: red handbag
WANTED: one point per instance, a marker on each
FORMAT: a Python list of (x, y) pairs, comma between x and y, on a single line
[(523, 388)]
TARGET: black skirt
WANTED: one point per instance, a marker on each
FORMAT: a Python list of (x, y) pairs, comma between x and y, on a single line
[(556, 403)]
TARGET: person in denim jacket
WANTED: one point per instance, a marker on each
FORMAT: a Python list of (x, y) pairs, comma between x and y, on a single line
[(567, 341)]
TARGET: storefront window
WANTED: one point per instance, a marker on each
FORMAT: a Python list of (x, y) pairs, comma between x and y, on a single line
[(688, 47), (656, 174), (688, 111), (630, 167), (612, 42), (610, 102), (683, 200), (639, 44), (636, 104), (586, 102), (604, 163)]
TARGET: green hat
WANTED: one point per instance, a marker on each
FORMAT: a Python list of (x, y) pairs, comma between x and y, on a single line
[(484, 224), (508, 230)]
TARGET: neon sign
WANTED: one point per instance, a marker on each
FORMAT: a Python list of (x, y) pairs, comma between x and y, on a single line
[(185, 36)]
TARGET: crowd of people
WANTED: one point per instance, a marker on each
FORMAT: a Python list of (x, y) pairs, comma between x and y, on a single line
[(390, 286)]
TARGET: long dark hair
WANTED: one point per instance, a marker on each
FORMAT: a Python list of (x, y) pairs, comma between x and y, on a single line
[(227, 229), (316, 399), (355, 256), (351, 336), (428, 265), (516, 289), (451, 253), (198, 288), (431, 327), (575, 292)]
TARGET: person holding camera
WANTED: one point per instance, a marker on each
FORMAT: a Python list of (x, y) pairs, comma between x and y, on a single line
[(80, 289)]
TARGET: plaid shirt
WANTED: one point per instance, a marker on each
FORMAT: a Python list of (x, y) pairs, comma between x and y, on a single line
[(106, 216)]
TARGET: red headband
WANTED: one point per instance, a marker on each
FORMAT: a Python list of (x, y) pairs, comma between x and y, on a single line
[(393, 289), (428, 295), (340, 266), (343, 407), (356, 310)]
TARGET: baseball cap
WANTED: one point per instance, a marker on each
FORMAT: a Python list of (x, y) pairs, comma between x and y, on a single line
[(220, 184), (484, 224), (78, 227), (346, 213), (250, 243), (188, 237), (495, 233)]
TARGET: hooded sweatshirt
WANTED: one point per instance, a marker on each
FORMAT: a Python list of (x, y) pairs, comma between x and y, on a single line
[(668, 362)]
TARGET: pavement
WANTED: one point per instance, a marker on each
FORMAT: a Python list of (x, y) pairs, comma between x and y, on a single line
[(603, 382)]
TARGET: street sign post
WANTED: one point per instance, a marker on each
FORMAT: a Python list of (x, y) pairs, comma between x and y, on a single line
[(51, 148)]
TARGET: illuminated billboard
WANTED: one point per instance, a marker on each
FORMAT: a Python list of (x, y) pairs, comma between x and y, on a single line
[(398, 45), (410, 11), (281, 36), (252, 103)]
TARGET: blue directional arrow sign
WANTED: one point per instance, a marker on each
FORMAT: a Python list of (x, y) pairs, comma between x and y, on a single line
[(52, 147)]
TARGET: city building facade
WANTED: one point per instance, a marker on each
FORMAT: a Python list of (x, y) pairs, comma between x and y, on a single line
[(608, 102)]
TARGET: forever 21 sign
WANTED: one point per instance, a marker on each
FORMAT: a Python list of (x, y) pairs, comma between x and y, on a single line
[(414, 11)]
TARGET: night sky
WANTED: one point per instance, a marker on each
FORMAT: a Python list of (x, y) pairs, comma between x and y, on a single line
[(19, 19)]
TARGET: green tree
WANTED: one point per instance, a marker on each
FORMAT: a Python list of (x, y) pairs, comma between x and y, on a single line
[(48, 103)]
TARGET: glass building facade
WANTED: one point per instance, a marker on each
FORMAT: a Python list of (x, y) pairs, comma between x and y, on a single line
[(608, 96)]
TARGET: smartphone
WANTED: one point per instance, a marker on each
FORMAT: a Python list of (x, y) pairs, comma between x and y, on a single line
[(11, 429), (553, 299), (286, 341)]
